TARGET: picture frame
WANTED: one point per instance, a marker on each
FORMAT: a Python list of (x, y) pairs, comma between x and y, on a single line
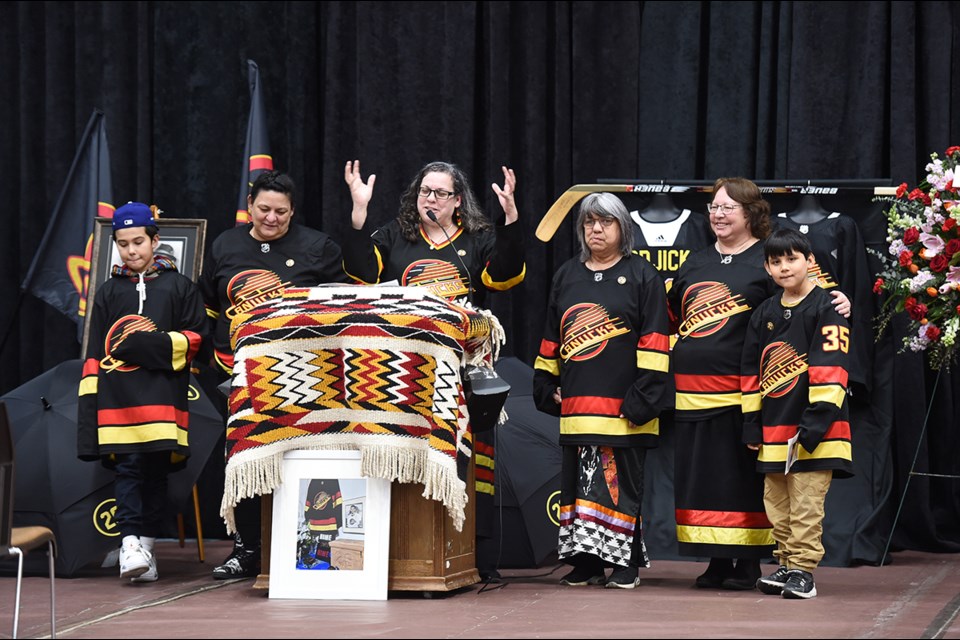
[(313, 553), (182, 239), (353, 515)]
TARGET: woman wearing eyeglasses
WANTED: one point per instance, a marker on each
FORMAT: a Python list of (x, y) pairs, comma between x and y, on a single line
[(602, 368), (718, 493), (441, 238)]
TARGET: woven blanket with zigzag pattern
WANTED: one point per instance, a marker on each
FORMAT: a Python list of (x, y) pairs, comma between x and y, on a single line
[(353, 367)]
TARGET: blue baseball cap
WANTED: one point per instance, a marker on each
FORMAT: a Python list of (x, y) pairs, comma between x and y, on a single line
[(133, 214)]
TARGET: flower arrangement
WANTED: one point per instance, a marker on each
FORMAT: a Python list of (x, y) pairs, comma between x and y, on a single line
[(922, 272)]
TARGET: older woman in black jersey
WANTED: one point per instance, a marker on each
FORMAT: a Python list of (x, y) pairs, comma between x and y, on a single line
[(248, 264), (602, 368), (718, 493), (440, 239)]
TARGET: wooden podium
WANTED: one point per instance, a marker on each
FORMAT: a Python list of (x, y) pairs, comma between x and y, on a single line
[(427, 553)]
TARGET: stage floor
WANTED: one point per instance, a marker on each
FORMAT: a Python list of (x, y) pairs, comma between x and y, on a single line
[(917, 596)]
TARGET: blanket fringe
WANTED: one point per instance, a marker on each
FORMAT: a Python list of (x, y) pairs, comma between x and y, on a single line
[(246, 478)]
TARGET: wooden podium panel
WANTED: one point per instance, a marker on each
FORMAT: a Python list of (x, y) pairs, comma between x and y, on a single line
[(427, 553)]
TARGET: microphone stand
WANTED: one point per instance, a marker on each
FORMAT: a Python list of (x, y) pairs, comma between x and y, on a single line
[(466, 271)]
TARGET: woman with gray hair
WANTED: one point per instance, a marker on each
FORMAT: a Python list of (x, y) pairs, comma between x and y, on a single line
[(602, 368)]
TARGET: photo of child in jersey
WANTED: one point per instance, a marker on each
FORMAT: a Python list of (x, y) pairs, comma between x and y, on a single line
[(330, 507)]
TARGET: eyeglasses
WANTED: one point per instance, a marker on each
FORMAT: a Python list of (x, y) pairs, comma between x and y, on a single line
[(439, 194), (604, 222), (727, 209)]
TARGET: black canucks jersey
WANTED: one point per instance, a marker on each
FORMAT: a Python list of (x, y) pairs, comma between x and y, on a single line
[(133, 391), (794, 376), (712, 303), (493, 259), (605, 344), (841, 262), (241, 272)]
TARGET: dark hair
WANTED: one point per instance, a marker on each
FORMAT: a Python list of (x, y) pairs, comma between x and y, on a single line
[(151, 231), (469, 215), (273, 181), (605, 205), (783, 242), (757, 209)]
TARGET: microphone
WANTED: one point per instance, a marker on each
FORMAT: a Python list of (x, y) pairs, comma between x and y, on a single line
[(466, 272)]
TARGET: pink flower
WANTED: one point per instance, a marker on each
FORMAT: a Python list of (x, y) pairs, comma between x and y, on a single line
[(933, 244)]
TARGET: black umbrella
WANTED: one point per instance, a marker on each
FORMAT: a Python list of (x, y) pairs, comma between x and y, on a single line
[(54, 488), (527, 473), (72, 497), (206, 428)]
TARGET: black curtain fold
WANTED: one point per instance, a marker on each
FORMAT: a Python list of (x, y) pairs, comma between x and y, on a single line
[(562, 92)]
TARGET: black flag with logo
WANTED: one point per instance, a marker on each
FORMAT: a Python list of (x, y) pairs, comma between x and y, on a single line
[(59, 274), (256, 150)]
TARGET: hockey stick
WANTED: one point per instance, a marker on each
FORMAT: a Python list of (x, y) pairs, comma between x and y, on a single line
[(558, 212)]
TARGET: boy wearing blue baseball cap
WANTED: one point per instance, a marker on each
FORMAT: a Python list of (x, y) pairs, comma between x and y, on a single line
[(146, 325)]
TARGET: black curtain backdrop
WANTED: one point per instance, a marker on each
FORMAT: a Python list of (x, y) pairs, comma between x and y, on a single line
[(563, 92)]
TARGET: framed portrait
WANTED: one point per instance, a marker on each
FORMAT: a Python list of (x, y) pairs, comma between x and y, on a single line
[(331, 529), (181, 239), (353, 515)]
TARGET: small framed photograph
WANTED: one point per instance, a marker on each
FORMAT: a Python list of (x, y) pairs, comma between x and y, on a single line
[(331, 529), (353, 515), (181, 239)]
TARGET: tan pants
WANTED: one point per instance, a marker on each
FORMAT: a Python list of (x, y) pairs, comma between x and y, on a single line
[(794, 504)]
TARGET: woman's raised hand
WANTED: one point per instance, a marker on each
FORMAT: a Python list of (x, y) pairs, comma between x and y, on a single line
[(360, 192), (506, 195)]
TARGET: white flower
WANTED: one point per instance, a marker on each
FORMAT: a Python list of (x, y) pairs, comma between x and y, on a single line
[(920, 281)]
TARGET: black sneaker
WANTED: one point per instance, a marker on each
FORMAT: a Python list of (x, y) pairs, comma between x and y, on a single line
[(623, 578), (745, 576), (799, 585), (582, 577), (720, 569), (773, 584), (239, 564)]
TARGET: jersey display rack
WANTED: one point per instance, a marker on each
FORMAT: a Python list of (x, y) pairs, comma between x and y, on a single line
[(557, 213)]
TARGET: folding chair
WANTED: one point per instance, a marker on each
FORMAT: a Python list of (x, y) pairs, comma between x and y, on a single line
[(14, 541)]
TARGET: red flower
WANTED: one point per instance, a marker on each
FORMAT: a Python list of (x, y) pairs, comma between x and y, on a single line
[(902, 189), (906, 256), (952, 150), (939, 263), (933, 332), (918, 311), (949, 223), (952, 247), (909, 303), (878, 286), (911, 235), (916, 194)]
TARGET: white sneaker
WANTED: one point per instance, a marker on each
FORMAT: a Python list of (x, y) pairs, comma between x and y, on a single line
[(134, 560), (150, 575)]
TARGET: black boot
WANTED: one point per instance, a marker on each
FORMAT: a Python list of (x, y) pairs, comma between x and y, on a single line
[(720, 569), (745, 575)]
